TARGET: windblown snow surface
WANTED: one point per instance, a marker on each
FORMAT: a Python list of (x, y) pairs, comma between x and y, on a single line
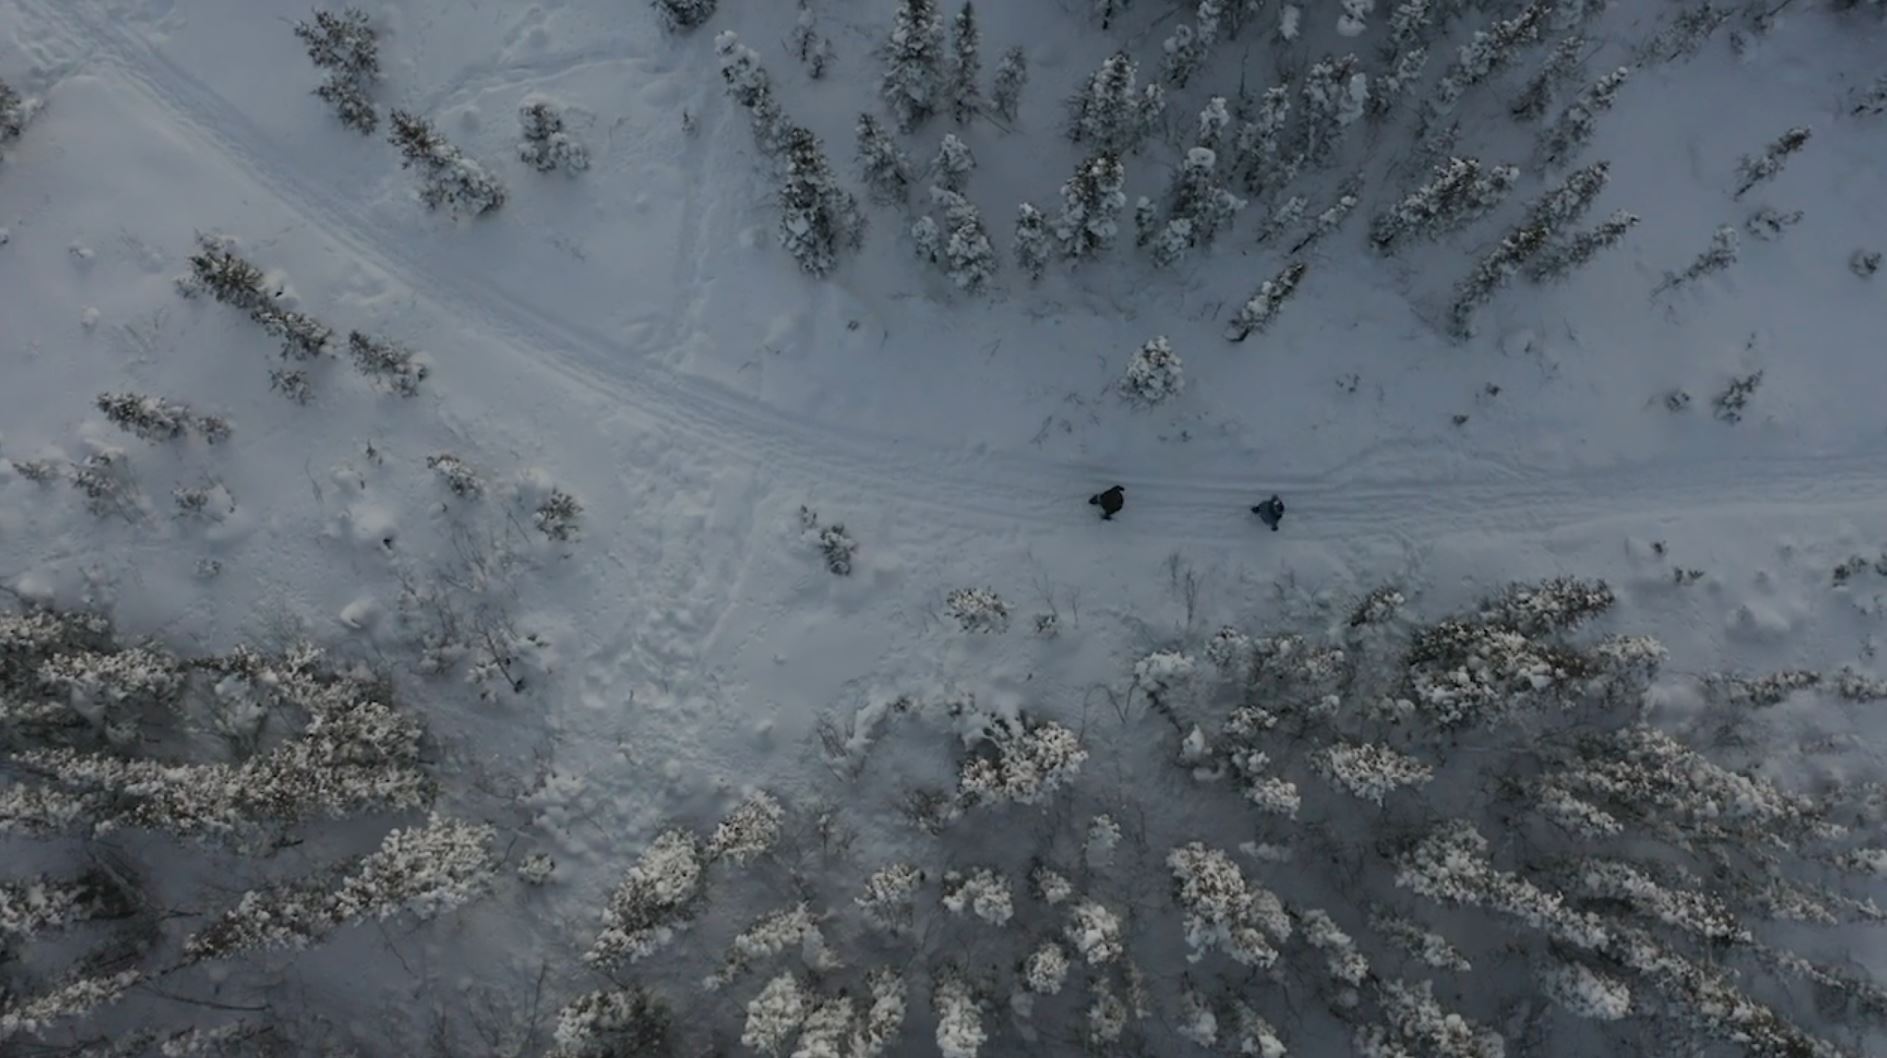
[(634, 335)]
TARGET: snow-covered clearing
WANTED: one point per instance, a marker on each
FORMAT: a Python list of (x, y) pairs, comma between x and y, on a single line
[(634, 335)]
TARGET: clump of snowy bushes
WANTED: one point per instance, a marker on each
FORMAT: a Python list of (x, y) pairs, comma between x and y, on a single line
[(345, 45)]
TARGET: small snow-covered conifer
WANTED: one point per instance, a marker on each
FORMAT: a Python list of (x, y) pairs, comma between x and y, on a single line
[(155, 419), (888, 902), (827, 1029), (978, 609), (1491, 273), (1369, 770), (1260, 151), (1724, 244), (1394, 85), (913, 83), (1283, 217), (229, 278), (45, 904), (1460, 192), (558, 516), (1107, 1017), (611, 1022), (459, 478), (954, 163), (982, 892), (1415, 1016), (392, 366), (656, 899), (1332, 218), (1754, 170), (1032, 241), (1768, 223), (749, 84), (1154, 373), (1341, 956), (1584, 993), (927, 239), (303, 337), (960, 1032), (770, 935), (749, 831), (1214, 118), (546, 145), (1111, 114), (1146, 221), (1163, 673), (873, 1034), (1095, 932), (1184, 55), (1012, 75), (448, 178), (1050, 886), (685, 14), (775, 1014), (1336, 91), (1560, 66), (1044, 969), (346, 46), (813, 47), (1262, 307), (1562, 256), (75, 998), (1430, 948), (1091, 203), (1199, 197), (965, 65), (818, 217), (1222, 910), (1020, 762), (886, 168), (1573, 128)]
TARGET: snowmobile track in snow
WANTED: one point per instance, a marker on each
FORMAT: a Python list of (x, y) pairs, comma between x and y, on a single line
[(972, 485)]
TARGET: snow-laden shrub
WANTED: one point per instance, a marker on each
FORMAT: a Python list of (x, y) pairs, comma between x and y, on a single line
[(1262, 307), (978, 610), (773, 933), (913, 82), (656, 900), (345, 45), (447, 177), (1164, 673), (1012, 76), (558, 516), (1045, 969), (1154, 373), (389, 365), (888, 902), (1091, 202), (818, 218), (883, 1021), (749, 84), (76, 998), (1369, 770), (885, 166), (1584, 993), (1020, 762)]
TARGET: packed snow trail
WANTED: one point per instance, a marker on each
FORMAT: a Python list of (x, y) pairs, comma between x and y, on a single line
[(1382, 491)]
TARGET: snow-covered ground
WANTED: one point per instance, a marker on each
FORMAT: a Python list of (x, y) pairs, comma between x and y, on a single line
[(635, 335)]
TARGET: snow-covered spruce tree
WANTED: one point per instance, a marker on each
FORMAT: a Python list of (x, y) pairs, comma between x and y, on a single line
[(391, 366), (983, 893), (1721, 254), (1396, 82), (775, 1014), (1012, 76), (750, 830), (225, 275), (960, 1031), (913, 83), (1573, 128), (1560, 67), (1154, 373), (1018, 761), (1460, 192), (418, 871), (1754, 170), (749, 84), (954, 163), (1259, 146), (155, 419), (774, 933), (1091, 202), (1562, 256), (889, 898), (1214, 118), (1225, 911), (29, 907), (964, 68), (345, 45), (813, 48), (1111, 114), (1569, 200), (966, 252), (818, 217), (75, 998), (885, 166), (1485, 54), (1370, 771), (1335, 92), (558, 516), (1199, 196), (1147, 226), (15, 111), (685, 14), (1262, 307), (1283, 217), (546, 146), (1332, 218), (612, 1022), (1492, 272), (659, 897), (1032, 242), (448, 178)]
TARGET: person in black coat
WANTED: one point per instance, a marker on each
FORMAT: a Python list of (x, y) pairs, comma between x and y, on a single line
[(1110, 502), (1270, 512)]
